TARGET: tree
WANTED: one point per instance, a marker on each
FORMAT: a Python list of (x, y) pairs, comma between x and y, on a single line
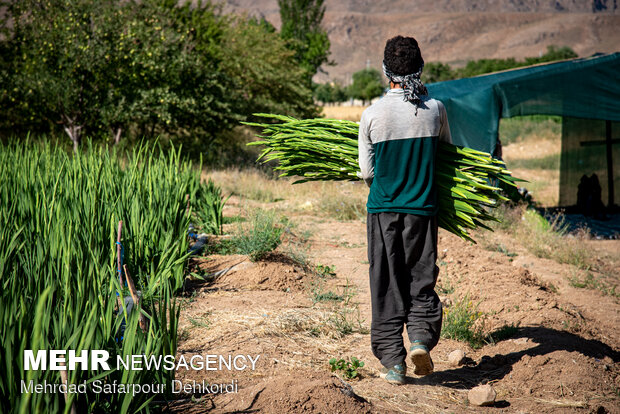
[(367, 85), (329, 93), (111, 65), (145, 68), (55, 77), (437, 72), (301, 28), (264, 74)]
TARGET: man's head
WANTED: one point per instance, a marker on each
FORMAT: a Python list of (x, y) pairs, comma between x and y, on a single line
[(402, 56)]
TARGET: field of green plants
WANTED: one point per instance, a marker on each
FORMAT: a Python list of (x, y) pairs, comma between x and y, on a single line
[(59, 217)]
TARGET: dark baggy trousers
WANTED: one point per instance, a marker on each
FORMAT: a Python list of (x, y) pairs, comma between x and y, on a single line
[(402, 249)]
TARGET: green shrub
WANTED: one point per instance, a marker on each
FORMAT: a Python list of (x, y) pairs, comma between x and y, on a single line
[(259, 237), (349, 369), (459, 323)]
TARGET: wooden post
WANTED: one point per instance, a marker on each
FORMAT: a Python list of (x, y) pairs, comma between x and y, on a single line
[(136, 299), (65, 380), (610, 166)]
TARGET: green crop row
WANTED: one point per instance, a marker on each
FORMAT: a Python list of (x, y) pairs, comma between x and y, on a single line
[(60, 287)]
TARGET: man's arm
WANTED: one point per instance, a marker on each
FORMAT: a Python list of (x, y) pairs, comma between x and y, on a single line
[(444, 129), (366, 152)]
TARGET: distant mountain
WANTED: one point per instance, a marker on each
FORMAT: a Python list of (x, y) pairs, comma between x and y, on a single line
[(455, 31)]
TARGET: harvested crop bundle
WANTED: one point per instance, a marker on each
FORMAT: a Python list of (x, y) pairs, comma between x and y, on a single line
[(326, 150)]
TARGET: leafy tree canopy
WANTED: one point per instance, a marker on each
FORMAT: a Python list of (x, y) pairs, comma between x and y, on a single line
[(437, 72), (367, 85), (142, 69), (301, 28)]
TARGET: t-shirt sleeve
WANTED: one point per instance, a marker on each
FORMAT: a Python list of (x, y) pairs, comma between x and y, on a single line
[(444, 129), (366, 151)]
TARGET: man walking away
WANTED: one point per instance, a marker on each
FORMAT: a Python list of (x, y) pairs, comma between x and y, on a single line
[(398, 138)]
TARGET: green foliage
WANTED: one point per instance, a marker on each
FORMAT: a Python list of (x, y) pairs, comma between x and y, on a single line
[(595, 283), (264, 72), (438, 72), (548, 162), (324, 271), (143, 69), (367, 85), (348, 369), (330, 93), (58, 224), (459, 322), (260, 236), (109, 66), (210, 208), (301, 28)]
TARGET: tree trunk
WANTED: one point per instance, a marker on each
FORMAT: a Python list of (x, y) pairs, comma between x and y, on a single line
[(73, 130), (117, 135)]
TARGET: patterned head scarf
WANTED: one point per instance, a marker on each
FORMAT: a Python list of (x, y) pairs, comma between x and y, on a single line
[(411, 84)]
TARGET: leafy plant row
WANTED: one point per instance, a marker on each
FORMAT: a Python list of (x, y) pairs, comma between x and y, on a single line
[(58, 265)]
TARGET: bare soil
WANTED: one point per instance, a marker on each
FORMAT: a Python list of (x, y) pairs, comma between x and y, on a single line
[(563, 357)]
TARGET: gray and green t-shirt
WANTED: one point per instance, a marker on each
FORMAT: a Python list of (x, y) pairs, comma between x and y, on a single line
[(397, 153)]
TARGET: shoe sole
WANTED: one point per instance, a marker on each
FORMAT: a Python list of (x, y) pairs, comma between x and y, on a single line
[(422, 362)]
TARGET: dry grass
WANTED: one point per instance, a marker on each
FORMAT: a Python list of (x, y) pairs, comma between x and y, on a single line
[(339, 200), (546, 239), (349, 113)]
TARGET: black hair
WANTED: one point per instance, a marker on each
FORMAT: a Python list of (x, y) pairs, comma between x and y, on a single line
[(402, 55)]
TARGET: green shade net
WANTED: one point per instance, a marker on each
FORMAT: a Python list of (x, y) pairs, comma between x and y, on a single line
[(581, 88), (585, 92)]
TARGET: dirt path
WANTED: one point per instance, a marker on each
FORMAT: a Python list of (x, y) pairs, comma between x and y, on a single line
[(563, 356)]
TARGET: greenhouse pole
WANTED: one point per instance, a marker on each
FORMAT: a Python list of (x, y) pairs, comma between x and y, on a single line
[(610, 165)]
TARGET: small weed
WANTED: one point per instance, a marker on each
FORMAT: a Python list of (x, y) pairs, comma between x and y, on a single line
[(184, 302), (349, 245), (591, 282), (257, 238), (200, 322), (349, 369), (445, 286), (304, 236), (347, 316), (459, 323), (298, 255), (326, 296), (318, 293), (502, 249), (324, 271)]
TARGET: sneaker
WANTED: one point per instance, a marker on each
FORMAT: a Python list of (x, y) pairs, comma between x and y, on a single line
[(394, 375), (421, 359)]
